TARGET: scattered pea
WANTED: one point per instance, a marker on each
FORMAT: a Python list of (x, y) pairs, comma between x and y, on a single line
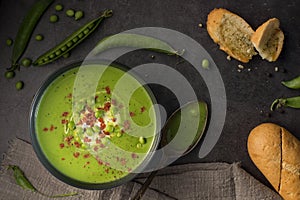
[(70, 13), (9, 74), (139, 145), (53, 18), (19, 85), (39, 37), (59, 7), (66, 55), (26, 62), (205, 63), (9, 42), (78, 15), (142, 140)]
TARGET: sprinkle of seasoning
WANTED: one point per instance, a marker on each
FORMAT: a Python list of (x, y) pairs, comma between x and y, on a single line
[(45, 129), (107, 90), (131, 114), (143, 109), (61, 145), (76, 154)]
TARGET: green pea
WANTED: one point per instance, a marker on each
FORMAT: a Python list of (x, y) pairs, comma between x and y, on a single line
[(63, 48), (78, 15), (99, 113), (9, 74), (205, 63), (71, 125), (70, 13), (9, 42), (59, 7), (142, 140), (75, 39), (70, 43), (89, 131), (58, 52), (39, 37), (67, 55), (26, 62), (80, 35), (53, 18), (139, 145), (19, 85), (86, 31)]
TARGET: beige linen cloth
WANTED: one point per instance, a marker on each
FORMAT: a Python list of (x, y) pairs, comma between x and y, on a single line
[(191, 181)]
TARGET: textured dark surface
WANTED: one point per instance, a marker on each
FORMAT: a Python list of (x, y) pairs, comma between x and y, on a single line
[(248, 92)]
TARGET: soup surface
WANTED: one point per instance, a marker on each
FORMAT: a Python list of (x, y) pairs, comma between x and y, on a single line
[(95, 124)]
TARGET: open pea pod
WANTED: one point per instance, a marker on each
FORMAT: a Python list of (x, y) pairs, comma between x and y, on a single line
[(71, 41)]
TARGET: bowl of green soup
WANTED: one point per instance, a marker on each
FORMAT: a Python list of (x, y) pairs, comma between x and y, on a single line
[(94, 126)]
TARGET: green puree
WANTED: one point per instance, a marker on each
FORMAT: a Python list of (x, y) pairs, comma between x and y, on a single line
[(97, 138)]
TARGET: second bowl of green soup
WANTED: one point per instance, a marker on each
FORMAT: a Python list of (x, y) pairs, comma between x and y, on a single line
[(94, 126)]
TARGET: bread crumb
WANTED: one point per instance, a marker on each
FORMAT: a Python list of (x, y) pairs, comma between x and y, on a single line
[(228, 57), (239, 70), (276, 69), (200, 25), (241, 67), (249, 69)]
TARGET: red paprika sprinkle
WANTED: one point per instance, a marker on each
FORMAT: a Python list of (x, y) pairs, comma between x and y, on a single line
[(107, 90), (96, 148), (61, 145), (107, 106), (133, 155), (131, 114), (52, 127), (114, 102), (86, 155), (76, 154), (143, 109), (114, 119), (101, 120), (63, 159), (45, 129), (77, 144), (69, 95), (65, 114), (106, 170)]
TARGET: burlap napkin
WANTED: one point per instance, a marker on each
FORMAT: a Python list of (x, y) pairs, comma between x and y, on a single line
[(191, 181)]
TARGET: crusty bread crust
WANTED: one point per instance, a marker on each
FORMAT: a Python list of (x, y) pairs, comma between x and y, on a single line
[(268, 39), (276, 153), (238, 45)]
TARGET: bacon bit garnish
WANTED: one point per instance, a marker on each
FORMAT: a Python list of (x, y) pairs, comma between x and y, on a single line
[(114, 102), (86, 155), (126, 125), (86, 139), (61, 145), (65, 114), (107, 90), (69, 138), (45, 129), (114, 119), (107, 106), (77, 144), (131, 114), (143, 109), (63, 159), (134, 156), (76, 154), (96, 148)]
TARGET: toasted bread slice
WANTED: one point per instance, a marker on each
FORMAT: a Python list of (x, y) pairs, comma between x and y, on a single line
[(268, 40), (232, 33)]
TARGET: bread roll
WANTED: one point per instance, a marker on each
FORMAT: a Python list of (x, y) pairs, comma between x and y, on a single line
[(268, 40), (232, 33), (276, 153)]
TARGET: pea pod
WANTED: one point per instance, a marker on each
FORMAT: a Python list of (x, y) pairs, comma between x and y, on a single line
[(71, 41), (292, 102), (22, 181), (135, 41), (292, 84), (26, 29)]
